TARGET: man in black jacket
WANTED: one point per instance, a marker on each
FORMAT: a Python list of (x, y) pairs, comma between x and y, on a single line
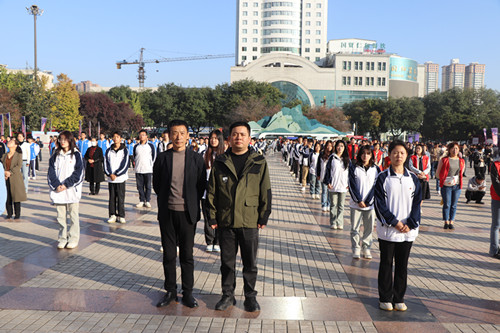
[(179, 180)]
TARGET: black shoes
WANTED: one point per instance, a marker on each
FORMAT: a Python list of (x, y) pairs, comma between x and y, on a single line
[(225, 302), (8, 217), (251, 304), (189, 301), (446, 225), (167, 299), (17, 217), (467, 201), (480, 202), (450, 226)]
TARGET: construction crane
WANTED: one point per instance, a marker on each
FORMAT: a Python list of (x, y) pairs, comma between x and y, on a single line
[(141, 62)]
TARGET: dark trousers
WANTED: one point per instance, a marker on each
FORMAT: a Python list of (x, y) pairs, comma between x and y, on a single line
[(248, 241), (117, 199), (477, 196), (389, 289), (210, 234), (177, 227), (9, 203), (32, 169), (94, 187), (479, 171), (143, 181), (295, 167)]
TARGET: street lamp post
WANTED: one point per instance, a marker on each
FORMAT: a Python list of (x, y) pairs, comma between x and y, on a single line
[(35, 11)]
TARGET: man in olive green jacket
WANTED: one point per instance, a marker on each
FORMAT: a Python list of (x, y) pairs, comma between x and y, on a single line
[(239, 203)]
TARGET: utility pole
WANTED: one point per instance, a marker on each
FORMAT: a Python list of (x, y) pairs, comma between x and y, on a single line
[(35, 11)]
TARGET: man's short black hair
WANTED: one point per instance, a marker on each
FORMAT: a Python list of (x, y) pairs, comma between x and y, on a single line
[(143, 130), (177, 122), (238, 124), (480, 177), (396, 143), (165, 132), (119, 134)]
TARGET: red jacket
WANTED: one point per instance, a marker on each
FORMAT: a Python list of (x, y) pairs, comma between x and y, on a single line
[(445, 167), (378, 156), (386, 164), (425, 162), (352, 154)]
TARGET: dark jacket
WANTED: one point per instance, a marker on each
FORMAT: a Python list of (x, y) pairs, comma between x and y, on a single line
[(243, 202), (195, 181), (94, 174)]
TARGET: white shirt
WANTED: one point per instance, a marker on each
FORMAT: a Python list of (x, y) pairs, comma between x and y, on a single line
[(25, 147)]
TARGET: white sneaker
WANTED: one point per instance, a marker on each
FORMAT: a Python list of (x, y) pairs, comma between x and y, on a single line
[(34, 178), (61, 244), (122, 220), (210, 248), (72, 245), (325, 209), (161, 248), (367, 254), (341, 227), (387, 306), (112, 219), (356, 254), (333, 226), (177, 250), (303, 189), (400, 307), (313, 196), (140, 205), (216, 248), (147, 204)]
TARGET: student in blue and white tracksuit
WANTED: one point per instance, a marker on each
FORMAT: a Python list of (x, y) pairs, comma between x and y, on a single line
[(336, 178), (362, 177), (144, 157), (116, 168), (314, 159), (34, 151), (83, 144), (397, 205), (65, 177), (103, 143)]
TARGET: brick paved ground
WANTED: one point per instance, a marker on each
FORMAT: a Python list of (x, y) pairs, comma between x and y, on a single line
[(308, 281)]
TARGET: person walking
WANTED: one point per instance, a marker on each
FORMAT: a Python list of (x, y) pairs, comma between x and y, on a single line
[(179, 180), (494, 249), (305, 153), (397, 206), (94, 170), (320, 174), (215, 148), (144, 158), (16, 193), (65, 177), (336, 177), (239, 198), (116, 162), (362, 177), (450, 171), (24, 148), (314, 160)]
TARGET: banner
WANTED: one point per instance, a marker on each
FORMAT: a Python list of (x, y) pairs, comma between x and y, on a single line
[(1, 122), (98, 130), (7, 115), (494, 136), (23, 125), (90, 129), (80, 127), (485, 137), (44, 122), (417, 137)]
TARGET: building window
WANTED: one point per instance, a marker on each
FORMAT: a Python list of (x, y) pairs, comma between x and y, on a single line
[(244, 48), (245, 13), (372, 79), (355, 80), (379, 66), (245, 22), (244, 58), (370, 66), (317, 59), (243, 40), (244, 31), (360, 65), (308, 32), (255, 31), (318, 50), (256, 4), (383, 81), (254, 49), (344, 81), (383, 67), (254, 57), (360, 81), (255, 13), (308, 23), (308, 5), (308, 41), (318, 32), (308, 49), (318, 23), (245, 4), (308, 14), (367, 83), (255, 22), (318, 5), (318, 41), (348, 80), (255, 40), (379, 81), (356, 67), (308, 58), (318, 14)]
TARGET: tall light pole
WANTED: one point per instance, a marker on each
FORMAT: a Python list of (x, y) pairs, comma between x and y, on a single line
[(35, 11)]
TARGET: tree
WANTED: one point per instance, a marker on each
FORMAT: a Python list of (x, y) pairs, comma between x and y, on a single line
[(64, 105), (367, 115), (126, 95), (333, 117)]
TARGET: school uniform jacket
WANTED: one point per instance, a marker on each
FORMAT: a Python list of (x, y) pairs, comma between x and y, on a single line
[(336, 174), (397, 198), (65, 168), (362, 185), (116, 163)]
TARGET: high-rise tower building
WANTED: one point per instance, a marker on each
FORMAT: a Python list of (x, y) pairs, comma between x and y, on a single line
[(453, 75), (295, 26), (431, 77), (474, 75)]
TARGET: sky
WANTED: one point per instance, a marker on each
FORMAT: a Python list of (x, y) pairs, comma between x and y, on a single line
[(84, 39)]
